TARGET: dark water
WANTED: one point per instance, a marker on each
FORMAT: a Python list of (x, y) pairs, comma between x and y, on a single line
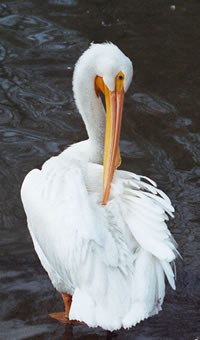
[(39, 43)]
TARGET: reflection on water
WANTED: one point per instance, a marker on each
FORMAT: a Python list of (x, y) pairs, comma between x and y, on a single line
[(40, 42)]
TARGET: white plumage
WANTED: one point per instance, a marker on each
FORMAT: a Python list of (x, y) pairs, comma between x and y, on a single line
[(111, 258)]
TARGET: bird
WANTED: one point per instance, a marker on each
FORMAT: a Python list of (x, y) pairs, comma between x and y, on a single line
[(101, 233)]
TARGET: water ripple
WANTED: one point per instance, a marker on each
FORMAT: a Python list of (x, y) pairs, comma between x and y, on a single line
[(40, 43)]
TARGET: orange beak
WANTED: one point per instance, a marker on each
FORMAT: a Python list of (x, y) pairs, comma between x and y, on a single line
[(114, 105)]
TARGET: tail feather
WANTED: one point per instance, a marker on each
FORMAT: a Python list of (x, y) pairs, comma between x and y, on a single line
[(148, 289), (169, 273)]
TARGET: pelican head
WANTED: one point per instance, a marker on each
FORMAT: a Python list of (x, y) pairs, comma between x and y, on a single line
[(106, 69)]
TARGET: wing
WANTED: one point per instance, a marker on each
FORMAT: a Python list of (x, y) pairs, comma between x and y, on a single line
[(75, 242), (146, 208)]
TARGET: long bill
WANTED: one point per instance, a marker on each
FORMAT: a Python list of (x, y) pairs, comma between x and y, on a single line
[(112, 159), (114, 101)]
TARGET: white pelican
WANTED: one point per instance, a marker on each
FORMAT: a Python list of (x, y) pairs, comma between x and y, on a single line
[(100, 233)]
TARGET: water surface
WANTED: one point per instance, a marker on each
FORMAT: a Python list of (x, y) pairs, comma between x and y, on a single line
[(39, 43)]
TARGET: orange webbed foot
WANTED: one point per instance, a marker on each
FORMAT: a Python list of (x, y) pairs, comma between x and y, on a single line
[(64, 316)]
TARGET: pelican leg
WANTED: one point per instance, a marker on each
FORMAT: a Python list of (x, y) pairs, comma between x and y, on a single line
[(64, 316), (67, 299)]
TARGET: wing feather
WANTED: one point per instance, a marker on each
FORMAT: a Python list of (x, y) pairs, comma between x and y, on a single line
[(68, 227), (146, 209)]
